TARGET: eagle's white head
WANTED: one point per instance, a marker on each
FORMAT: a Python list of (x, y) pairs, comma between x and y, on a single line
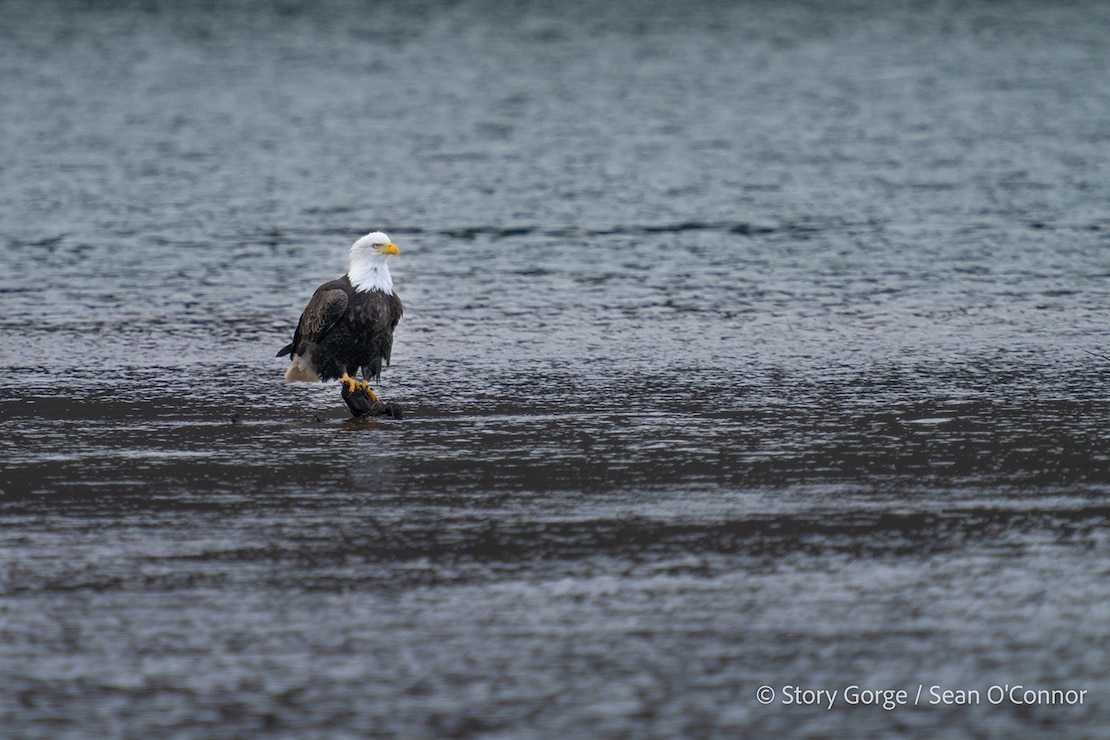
[(366, 265)]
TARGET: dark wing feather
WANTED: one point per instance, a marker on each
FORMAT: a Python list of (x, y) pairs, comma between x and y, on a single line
[(395, 310), (328, 305), (325, 308)]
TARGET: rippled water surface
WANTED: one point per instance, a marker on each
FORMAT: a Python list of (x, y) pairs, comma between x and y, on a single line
[(745, 345)]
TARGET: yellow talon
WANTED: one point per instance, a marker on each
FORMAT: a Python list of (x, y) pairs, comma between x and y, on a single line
[(362, 385), (366, 387)]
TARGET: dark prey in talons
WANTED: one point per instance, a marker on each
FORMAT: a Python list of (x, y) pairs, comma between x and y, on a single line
[(363, 402)]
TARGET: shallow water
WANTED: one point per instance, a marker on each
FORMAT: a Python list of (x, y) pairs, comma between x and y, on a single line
[(743, 346)]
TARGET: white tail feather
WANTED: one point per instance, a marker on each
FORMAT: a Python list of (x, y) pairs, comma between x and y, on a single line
[(301, 370)]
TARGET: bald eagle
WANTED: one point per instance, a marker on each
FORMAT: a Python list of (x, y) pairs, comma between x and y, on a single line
[(348, 326)]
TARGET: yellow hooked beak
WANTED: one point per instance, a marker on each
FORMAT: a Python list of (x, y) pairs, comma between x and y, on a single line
[(390, 248)]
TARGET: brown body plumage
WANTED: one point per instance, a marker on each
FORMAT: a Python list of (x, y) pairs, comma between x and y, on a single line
[(343, 330)]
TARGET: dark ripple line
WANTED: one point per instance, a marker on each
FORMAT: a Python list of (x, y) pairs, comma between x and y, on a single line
[(743, 228), (480, 550), (488, 541)]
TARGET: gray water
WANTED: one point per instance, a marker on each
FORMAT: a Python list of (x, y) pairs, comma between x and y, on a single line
[(745, 344)]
